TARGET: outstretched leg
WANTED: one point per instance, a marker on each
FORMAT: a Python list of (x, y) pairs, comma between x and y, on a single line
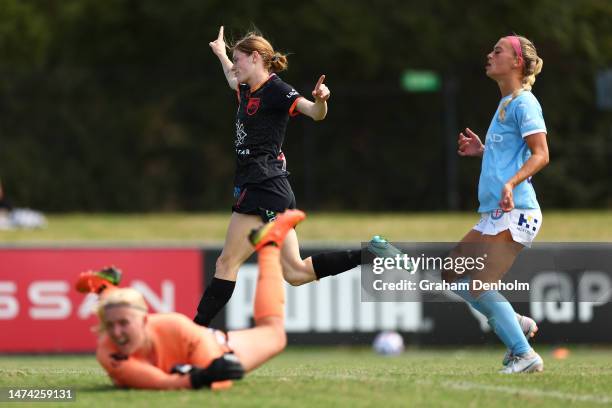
[(255, 346), (298, 271)]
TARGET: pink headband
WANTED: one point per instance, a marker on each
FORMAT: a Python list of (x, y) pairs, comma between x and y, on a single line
[(516, 44)]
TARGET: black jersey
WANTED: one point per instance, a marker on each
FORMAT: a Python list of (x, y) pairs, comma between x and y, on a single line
[(261, 122)]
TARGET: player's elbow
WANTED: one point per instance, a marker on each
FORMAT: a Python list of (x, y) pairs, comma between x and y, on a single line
[(544, 159), (319, 117)]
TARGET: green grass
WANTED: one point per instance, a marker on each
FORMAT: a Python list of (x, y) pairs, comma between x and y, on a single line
[(326, 377), (354, 227)]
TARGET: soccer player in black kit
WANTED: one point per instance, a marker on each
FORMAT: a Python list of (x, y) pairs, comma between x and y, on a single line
[(261, 188)]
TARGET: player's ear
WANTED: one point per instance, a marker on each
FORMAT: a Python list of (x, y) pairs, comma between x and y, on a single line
[(255, 55)]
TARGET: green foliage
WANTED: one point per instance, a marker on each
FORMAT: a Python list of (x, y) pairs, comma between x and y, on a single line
[(119, 105)]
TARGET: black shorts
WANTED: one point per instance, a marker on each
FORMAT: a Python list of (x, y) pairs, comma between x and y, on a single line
[(265, 199)]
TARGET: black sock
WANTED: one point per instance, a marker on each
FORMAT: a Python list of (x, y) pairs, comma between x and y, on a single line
[(333, 263), (216, 295)]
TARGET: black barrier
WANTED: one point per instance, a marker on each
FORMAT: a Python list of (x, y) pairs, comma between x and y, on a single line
[(572, 304)]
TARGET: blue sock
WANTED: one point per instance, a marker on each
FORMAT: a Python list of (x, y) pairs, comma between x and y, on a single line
[(467, 296), (502, 319)]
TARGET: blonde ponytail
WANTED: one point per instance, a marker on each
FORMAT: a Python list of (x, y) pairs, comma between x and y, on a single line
[(532, 66)]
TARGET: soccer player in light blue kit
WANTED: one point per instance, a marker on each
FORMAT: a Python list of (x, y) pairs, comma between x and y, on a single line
[(515, 149)]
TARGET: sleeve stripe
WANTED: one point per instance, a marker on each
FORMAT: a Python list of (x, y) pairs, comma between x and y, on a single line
[(293, 108), (532, 132)]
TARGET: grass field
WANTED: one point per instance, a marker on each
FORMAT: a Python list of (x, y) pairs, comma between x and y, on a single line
[(326, 377), (353, 227)]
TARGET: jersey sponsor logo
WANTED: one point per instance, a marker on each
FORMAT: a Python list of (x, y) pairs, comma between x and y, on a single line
[(240, 133), (495, 137), (253, 106), (528, 222), (292, 93), (497, 214)]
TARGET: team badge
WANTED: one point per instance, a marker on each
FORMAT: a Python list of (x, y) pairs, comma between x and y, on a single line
[(497, 214), (252, 106)]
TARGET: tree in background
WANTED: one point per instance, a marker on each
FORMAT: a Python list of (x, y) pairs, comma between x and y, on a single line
[(117, 106)]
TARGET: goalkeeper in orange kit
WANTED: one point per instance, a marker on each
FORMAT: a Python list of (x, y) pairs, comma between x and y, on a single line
[(168, 350)]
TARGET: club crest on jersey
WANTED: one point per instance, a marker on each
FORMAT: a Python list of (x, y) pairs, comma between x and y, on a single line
[(252, 106), (497, 214)]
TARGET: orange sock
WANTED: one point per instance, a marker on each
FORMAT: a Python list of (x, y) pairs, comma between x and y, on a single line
[(270, 291)]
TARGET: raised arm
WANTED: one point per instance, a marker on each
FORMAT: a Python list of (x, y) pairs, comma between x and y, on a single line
[(218, 48), (317, 110)]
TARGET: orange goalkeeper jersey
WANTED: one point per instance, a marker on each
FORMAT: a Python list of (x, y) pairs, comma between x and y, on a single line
[(175, 340)]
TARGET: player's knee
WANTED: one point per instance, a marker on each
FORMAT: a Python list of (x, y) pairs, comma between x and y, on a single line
[(294, 274), (295, 278)]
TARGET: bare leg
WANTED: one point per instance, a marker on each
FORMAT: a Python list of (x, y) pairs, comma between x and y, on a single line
[(296, 271), (235, 251), (236, 248), (501, 252), (469, 246)]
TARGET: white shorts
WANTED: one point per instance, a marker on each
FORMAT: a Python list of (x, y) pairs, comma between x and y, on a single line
[(523, 224)]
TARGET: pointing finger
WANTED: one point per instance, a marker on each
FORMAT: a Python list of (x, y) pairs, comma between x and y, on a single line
[(320, 81), (220, 37)]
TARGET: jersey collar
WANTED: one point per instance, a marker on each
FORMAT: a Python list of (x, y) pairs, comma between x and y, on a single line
[(253, 90)]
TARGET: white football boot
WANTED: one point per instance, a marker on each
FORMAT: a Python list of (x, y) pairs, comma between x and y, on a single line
[(529, 362), (529, 327)]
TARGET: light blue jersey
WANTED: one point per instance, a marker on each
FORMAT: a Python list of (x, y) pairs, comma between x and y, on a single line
[(506, 152)]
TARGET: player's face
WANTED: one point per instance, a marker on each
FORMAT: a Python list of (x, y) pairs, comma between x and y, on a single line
[(244, 65), (126, 327), (502, 61)]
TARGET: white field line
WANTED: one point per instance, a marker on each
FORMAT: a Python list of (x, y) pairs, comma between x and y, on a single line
[(531, 392)]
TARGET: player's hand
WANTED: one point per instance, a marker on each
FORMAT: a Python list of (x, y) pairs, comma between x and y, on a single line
[(226, 367), (321, 92), (469, 144), (507, 200), (218, 46)]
